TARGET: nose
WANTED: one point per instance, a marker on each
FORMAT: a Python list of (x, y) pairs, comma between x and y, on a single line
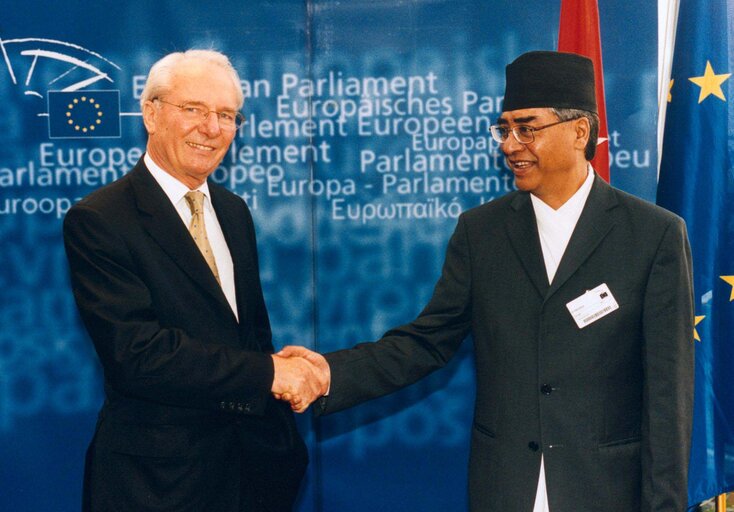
[(511, 145), (210, 125)]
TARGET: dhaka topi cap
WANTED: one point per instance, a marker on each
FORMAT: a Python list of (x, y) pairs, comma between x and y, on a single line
[(544, 79)]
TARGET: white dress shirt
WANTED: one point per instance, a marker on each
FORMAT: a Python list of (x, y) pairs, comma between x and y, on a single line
[(555, 228), (176, 192)]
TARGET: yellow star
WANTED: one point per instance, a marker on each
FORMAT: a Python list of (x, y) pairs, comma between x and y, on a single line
[(670, 90), (698, 321), (730, 280), (710, 83)]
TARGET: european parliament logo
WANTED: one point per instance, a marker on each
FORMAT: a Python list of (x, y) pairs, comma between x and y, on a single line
[(83, 114)]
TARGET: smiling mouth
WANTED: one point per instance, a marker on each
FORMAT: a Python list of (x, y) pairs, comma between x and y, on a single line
[(520, 165), (199, 146)]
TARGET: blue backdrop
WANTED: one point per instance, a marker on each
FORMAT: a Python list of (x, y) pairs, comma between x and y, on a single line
[(366, 135)]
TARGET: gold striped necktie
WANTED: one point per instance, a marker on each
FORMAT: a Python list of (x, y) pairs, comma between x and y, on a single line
[(195, 199)]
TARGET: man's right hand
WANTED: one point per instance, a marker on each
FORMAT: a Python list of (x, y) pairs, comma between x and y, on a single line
[(301, 376)]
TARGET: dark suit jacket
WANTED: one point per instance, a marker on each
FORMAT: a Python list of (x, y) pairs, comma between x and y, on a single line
[(188, 422), (608, 406)]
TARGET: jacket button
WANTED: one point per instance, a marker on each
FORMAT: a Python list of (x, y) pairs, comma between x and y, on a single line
[(533, 446), (546, 389)]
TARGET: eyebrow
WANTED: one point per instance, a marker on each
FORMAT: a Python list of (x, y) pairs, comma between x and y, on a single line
[(203, 105), (518, 120)]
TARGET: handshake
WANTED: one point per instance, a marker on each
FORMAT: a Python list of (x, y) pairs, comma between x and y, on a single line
[(301, 376)]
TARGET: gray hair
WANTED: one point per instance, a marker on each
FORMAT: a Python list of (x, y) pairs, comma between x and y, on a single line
[(566, 114), (163, 71)]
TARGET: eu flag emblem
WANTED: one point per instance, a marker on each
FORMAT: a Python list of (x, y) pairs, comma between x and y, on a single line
[(83, 114), (697, 183)]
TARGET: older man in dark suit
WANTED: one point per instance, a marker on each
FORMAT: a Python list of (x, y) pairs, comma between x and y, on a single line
[(579, 298), (164, 270)]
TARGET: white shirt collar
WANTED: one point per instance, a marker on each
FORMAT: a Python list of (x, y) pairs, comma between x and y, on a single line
[(555, 227), (173, 188), (573, 206)]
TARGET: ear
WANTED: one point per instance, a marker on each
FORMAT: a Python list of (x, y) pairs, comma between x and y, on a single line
[(583, 130), (151, 116)]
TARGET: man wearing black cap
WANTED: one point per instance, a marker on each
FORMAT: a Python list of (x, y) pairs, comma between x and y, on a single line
[(579, 298)]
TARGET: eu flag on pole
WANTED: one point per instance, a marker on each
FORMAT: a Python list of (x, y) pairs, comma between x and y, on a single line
[(83, 114), (697, 182)]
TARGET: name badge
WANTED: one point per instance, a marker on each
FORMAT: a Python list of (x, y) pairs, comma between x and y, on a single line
[(592, 305)]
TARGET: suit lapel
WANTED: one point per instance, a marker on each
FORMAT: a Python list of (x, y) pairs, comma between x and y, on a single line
[(233, 229), (522, 231), (593, 225), (160, 219)]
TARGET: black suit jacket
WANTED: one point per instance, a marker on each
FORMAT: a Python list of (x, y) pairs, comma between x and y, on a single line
[(188, 422), (608, 406)]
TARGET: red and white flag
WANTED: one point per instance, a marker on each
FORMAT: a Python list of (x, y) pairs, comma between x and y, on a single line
[(579, 33)]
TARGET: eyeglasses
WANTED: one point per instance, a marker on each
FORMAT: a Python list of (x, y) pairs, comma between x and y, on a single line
[(198, 113), (523, 133)]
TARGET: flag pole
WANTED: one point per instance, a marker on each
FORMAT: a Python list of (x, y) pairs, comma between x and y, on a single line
[(721, 503), (667, 23)]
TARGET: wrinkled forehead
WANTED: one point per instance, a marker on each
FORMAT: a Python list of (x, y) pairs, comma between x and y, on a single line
[(204, 83)]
